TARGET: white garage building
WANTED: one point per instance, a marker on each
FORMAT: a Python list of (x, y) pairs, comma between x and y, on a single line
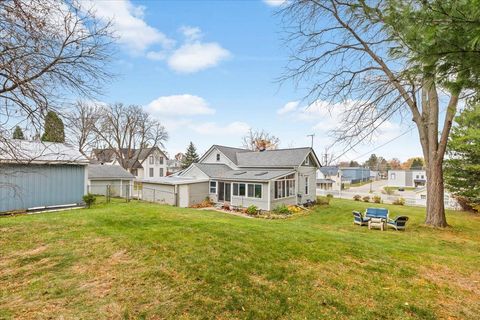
[(174, 190)]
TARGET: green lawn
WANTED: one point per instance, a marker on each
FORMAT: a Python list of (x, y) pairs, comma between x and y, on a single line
[(138, 260)]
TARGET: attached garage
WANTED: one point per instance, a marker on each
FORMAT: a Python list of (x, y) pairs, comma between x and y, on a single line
[(175, 191), (36, 175)]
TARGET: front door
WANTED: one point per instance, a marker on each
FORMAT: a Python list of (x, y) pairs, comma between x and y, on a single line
[(228, 192), (224, 191)]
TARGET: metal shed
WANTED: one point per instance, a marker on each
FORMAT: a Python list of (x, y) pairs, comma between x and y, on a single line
[(40, 175)]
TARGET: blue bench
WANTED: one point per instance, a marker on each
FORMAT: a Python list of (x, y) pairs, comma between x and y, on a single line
[(376, 213)]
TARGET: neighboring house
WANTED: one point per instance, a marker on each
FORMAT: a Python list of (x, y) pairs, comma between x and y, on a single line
[(449, 200), (41, 175), (240, 177), (355, 174), (143, 163), (174, 166), (407, 178), (329, 178), (115, 179)]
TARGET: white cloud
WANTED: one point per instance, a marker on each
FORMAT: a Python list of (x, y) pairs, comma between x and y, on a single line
[(185, 105), (193, 57), (191, 33), (288, 107), (275, 3), (211, 128), (156, 55), (129, 24)]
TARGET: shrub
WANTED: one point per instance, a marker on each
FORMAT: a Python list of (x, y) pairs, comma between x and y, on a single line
[(330, 196), (281, 209), (377, 199), (399, 202), (366, 199), (252, 210), (389, 191), (323, 201), (357, 197), (89, 199)]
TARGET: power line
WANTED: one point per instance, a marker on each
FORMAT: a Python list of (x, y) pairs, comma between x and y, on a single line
[(382, 145)]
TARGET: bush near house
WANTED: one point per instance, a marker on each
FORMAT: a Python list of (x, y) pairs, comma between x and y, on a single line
[(330, 196), (357, 197), (366, 199), (253, 210), (282, 209), (377, 199), (206, 203), (322, 201), (399, 202)]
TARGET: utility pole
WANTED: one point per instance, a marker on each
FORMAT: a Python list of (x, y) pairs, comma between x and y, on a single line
[(311, 135)]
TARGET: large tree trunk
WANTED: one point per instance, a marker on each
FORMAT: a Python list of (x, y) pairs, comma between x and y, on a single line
[(435, 195)]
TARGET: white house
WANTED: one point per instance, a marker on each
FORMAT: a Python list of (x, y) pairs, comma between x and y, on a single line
[(407, 178), (241, 177), (329, 178), (143, 163)]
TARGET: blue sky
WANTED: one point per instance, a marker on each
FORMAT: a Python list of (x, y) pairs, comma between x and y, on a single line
[(207, 70)]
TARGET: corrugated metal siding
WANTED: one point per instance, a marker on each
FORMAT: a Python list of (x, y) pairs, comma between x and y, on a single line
[(27, 186)]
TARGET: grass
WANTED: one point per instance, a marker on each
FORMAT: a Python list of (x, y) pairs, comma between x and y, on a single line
[(357, 184), (147, 261), (396, 188)]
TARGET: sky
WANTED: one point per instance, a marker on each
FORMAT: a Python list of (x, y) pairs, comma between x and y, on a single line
[(208, 70)]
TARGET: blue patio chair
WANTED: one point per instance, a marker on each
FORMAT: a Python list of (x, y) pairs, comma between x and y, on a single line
[(359, 219), (398, 223)]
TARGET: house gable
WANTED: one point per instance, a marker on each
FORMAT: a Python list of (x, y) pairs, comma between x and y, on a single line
[(215, 155)]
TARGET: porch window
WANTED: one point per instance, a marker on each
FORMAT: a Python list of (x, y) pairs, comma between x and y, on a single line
[(239, 189), (213, 186), (284, 187), (254, 190)]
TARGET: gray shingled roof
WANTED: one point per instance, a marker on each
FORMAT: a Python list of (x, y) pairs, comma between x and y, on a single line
[(253, 175), (98, 171), (213, 169), (273, 158), (329, 170), (230, 152), (224, 172)]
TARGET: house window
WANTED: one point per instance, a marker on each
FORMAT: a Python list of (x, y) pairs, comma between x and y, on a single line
[(423, 177), (250, 190), (213, 186), (218, 156), (258, 191), (306, 184), (161, 172), (284, 187), (239, 189), (150, 159), (150, 171), (135, 172), (423, 197), (307, 161), (161, 160), (393, 176)]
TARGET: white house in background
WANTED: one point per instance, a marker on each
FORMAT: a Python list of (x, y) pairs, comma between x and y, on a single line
[(240, 177), (449, 200), (144, 163), (329, 178), (407, 178)]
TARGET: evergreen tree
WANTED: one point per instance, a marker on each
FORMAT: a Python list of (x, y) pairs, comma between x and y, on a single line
[(417, 163), (372, 162), (54, 129), (462, 169), (190, 157), (18, 133)]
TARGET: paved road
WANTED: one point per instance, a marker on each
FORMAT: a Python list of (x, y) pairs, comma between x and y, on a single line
[(376, 187)]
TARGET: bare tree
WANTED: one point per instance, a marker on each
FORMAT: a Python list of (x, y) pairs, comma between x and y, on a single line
[(259, 140), (125, 129), (81, 122), (49, 49), (347, 53)]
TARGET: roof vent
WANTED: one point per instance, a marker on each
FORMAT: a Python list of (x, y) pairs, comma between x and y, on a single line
[(261, 173), (239, 173)]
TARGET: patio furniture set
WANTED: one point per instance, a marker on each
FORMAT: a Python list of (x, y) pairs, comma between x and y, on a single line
[(377, 218)]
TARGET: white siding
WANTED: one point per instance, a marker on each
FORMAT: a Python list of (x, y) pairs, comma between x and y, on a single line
[(162, 193)]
